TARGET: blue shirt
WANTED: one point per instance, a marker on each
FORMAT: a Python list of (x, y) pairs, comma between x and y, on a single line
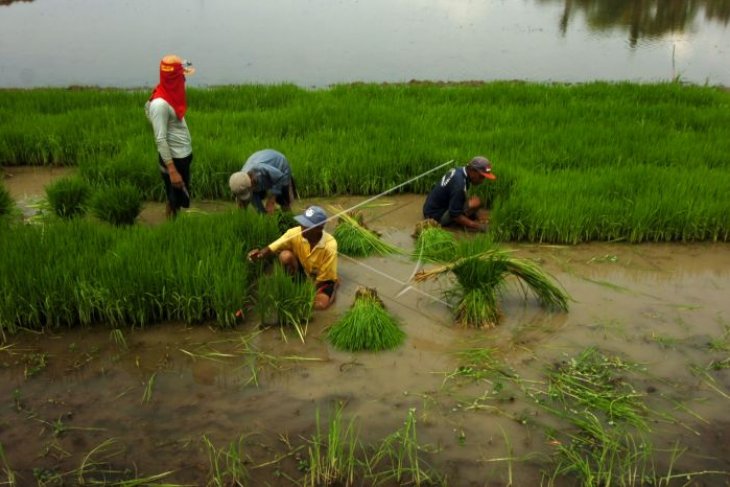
[(448, 194), (271, 171)]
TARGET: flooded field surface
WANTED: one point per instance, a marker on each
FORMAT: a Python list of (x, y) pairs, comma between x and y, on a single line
[(152, 400)]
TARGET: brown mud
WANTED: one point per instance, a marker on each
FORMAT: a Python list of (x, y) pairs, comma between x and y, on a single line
[(662, 306)]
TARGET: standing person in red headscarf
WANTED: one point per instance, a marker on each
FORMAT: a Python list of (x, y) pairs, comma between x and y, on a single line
[(166, 112)]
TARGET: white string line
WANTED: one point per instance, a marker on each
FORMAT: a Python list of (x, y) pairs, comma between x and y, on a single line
[(406, 285), (395, 279), (373, 198)]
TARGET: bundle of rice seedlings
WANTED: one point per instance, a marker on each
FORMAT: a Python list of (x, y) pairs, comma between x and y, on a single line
[(356, 240), (482, 270), (434, 244), (68, 196), (367, 325), (6, 201), (118, 205), (285, 300)]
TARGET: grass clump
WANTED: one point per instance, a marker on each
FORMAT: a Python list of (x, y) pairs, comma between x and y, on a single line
[(356, 240), (482, 271), (285, 300), (367, 325), (118, 205), (68, 196), (331, 458), (227, 464)]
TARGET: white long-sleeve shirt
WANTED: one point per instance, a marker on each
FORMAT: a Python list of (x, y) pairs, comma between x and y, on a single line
[(171, 134)]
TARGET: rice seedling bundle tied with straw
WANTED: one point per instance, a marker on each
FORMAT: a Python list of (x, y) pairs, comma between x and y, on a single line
[(356, 240), (433, 243), (367, 325), (481, 271)]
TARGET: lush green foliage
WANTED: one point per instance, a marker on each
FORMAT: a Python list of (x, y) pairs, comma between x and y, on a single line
[(284, 299), (367, 325), (117, 204), (595, 161), (6, 201), (68, 196), (191, 269)]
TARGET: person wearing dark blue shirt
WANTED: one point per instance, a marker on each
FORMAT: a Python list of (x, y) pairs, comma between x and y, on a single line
[(448, 202)]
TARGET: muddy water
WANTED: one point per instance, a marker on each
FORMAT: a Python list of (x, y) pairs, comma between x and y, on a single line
[(657, 305)]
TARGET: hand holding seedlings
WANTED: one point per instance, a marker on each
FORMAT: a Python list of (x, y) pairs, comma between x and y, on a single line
[(255, 255)]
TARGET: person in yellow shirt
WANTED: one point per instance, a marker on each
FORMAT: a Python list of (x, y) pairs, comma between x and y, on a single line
[(309, 249)]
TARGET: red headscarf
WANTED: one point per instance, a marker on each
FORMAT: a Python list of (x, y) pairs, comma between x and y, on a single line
[(172, 87)]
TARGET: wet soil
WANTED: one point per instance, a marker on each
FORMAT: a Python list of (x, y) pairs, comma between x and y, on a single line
[(665, 307)]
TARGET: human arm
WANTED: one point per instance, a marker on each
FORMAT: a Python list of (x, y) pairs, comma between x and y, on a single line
[(469, 224), (259, 254), (270, 203)]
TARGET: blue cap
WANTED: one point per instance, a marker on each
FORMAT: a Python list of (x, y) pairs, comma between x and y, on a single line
[(312, 217)]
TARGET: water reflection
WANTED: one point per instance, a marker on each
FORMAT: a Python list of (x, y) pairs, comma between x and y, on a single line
[(642, 18), (8, 2)]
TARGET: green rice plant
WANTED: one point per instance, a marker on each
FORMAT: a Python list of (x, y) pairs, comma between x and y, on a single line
[(96, 468), (331, 458), (605, 456), (118, 204), (228, 464), (605, 443), (595, 381), (8, 472), (478, 364), (6, 201), (651, 166), (191, 270), (481, 270), (149, 386), (117, 336), (398, 459), (367, 325), (68, 196), (433, 243), (285, 300), (285, 220), (356, 240)]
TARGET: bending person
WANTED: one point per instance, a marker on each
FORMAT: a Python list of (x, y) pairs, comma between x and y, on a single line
[(447, 202), (308, 249), (266, 175)]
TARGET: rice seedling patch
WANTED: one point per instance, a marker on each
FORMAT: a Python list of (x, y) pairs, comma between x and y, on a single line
[(118, 205), (285, 300), (69, 196)]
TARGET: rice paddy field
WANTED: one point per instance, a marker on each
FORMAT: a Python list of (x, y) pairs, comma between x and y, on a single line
[(148, 354), (587, 162)]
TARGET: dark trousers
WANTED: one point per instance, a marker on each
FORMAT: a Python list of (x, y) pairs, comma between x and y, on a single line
[(177, 197)]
